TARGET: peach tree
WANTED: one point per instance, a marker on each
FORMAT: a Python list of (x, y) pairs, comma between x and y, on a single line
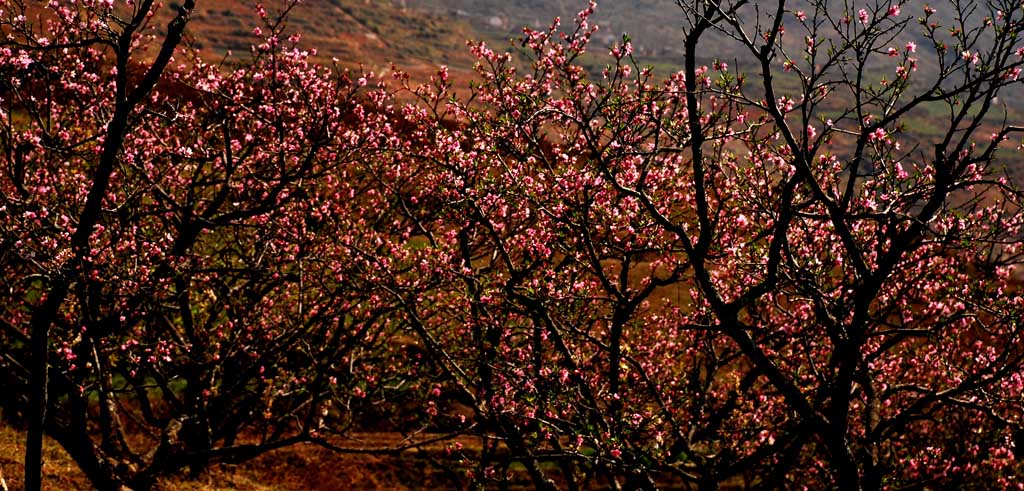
[(753, 272), (189, 250)]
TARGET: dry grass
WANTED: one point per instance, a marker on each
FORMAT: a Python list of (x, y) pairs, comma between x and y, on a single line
[(298, 468), (59, 471)]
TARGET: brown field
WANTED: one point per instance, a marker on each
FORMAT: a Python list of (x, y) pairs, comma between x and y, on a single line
[(303, 467)]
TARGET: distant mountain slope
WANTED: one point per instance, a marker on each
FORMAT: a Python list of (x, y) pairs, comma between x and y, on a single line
[(657, 29), (432, 32), (418, 35), (655, 26), (372, 33)]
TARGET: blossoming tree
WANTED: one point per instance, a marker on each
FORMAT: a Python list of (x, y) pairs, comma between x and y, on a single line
[(760, 276), (188, 249), (752, 272)]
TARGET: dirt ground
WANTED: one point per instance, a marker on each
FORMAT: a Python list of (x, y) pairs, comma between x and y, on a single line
[(299, 468)]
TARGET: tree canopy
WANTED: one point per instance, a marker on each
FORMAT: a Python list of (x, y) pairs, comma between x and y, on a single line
[(766, 277)]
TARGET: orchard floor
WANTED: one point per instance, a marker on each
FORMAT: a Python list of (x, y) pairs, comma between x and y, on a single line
[(298, 468), (294, 469)]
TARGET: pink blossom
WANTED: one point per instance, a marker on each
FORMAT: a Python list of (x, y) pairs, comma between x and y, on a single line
[(900, 173), (877, 135), (862, 14)]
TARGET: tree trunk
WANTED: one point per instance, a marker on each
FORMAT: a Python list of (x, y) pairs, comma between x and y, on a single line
[(42, 319)]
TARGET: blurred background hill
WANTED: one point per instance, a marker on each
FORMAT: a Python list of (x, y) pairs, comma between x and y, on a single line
[(419, 35)]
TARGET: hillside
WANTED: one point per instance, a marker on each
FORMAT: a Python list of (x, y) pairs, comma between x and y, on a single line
[(421, 34), (371, 34), (657, 30)]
